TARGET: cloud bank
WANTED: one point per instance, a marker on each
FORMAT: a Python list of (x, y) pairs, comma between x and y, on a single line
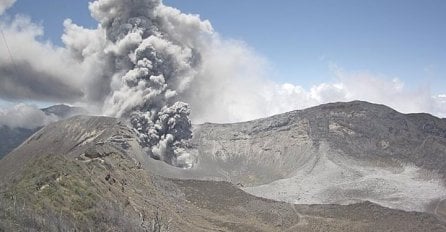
[(360, 85), (162, 70), (30, 69), (25, 116)]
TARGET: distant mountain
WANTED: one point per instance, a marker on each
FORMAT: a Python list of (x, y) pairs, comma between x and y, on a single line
[(12, 137), (63, 111), (336, 161)]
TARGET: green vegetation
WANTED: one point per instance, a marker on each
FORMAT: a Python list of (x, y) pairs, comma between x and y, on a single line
[(52, 184), (58, 194)]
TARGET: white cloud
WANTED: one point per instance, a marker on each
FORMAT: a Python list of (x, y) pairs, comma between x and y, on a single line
[(35, 70), (237, 88), (229, 84), (24, 116), (5, 4), (359, 85)]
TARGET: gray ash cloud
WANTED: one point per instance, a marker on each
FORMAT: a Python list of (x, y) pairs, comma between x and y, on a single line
[(151, 49)]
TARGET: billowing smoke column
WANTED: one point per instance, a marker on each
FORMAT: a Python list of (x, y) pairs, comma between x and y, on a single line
[(154, 56)]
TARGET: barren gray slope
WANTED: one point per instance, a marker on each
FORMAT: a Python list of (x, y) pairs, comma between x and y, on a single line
[(260, 151), (334, 153), (86, 173)]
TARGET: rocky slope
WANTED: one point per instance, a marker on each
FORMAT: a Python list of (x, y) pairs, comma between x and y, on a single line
[(264, 150), (90, 173), (335, 153)]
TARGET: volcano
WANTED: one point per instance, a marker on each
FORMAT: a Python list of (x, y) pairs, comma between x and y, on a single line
[(352, 166)]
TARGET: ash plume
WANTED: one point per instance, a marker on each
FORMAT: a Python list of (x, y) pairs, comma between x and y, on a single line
[(152, 51)]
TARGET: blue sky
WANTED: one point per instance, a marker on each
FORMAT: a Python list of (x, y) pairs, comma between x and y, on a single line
[(397, 38), (300, 38)]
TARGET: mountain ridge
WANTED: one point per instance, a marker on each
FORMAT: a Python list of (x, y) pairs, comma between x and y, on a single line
[(103, 157), (12, 137)]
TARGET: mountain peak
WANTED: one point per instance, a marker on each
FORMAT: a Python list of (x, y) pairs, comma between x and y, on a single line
[(64, 111)]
